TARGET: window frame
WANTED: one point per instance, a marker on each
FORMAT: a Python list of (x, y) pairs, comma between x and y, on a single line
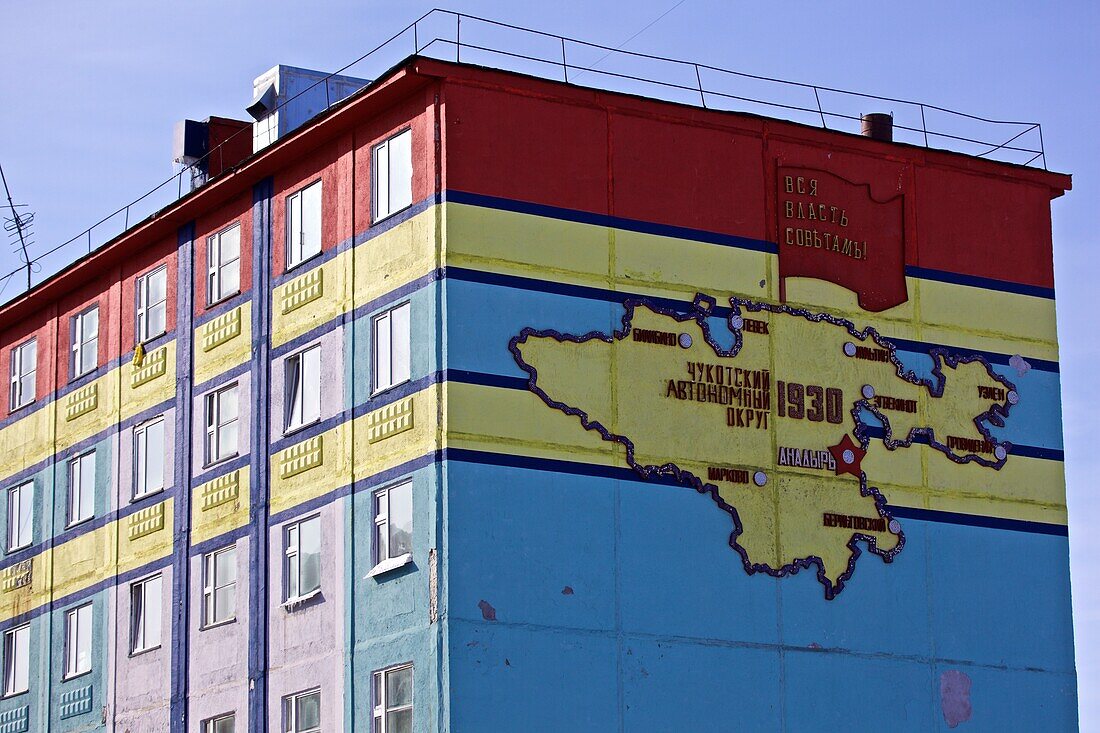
[(79, 340), (381, 522), (75, 472), (210, 587), (210, 724), (134, 614), (16, 399), (380, 710), (376, 387), (215, 266), (72, 656), (212, 431), (289, 248), (142, 429), (377, 214), (298, 357), (290, 711), (10, 648), (18, 490), (292, 553), (143, 307)]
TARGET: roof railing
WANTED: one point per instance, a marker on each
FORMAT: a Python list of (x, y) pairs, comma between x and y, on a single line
[(449, 35)]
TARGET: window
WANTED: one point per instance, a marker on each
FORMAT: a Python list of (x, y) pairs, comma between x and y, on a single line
[(152, 298), (17, 652), (221, 424), (85, 333), (303, 388), (391, 347), (393, 700), (393, 523), (20, 503), (24, 360), (303, 559), (78, 640), (392, 175), (81, 488), (223, 257), (303, 225), (219, 586), (145, 602), (220, 724), (149, 458), (302, 712)]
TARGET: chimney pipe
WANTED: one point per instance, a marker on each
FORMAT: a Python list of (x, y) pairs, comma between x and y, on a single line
[(877, 126)]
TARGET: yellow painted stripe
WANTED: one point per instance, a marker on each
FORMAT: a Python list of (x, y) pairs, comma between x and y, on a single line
[(217, 356)]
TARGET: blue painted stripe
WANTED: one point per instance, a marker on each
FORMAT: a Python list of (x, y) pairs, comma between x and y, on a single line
[(181, 516), (625, 474), (975, 281), (259, 432), (618, 296), (220, 309)]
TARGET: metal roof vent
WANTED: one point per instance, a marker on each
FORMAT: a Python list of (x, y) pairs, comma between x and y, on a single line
[(263, 103), (877, 126)]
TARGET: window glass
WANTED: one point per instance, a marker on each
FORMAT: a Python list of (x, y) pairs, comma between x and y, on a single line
[(221, 424), (20, 515), (78, 640), (392, 175), (224, 724), (393, 522), (302, 712), (85, 342), (145, 611), (303, 558), (149, 458), (17, 660), (152, 304), (219, 585), (224, 264), (24, 363), (82, 487), (391, 347), (303, 387), (303, 221), (393, 700)]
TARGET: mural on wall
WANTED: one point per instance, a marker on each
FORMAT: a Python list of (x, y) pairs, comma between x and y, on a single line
[(776, 424)]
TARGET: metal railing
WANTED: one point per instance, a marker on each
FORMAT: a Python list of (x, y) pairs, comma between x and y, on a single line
[(454, 36)]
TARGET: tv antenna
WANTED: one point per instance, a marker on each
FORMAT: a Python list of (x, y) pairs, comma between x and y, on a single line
[(18, 226)]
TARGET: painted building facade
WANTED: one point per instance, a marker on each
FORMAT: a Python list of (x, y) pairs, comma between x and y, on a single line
[(546, 408)]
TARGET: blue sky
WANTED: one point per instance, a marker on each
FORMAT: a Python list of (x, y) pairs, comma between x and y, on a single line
[(90, 92)]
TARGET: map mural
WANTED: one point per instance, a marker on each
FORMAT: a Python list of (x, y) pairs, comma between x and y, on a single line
[(771, 410)]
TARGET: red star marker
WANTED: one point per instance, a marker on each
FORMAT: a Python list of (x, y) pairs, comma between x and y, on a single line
[(847, 455)]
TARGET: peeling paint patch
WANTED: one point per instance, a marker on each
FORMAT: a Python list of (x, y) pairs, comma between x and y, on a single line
[(955, 697), (487, 611), (567, 590), (1020, 364)]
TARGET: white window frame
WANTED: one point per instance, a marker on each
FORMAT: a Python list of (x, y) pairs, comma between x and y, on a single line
[(211, 584), (223, 280), (145, 308), (384, 557), (78, 492), (17, 643), (20, 536), (210, 725), (78, 641), (292, 561), (390, 196), (23, 382), (298, 413), (218, 445), (140, 615), (290, 711), (302, 241), (381, 711), (141, 433), (386, 371), (85, 336)]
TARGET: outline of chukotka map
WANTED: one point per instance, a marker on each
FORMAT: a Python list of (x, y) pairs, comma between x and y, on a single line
[(774, 427)]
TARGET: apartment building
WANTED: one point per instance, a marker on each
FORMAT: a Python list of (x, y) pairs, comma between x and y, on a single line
[(486, 402)]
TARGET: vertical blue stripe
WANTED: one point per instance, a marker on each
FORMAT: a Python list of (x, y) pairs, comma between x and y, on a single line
[(258, 513), (181, 516)]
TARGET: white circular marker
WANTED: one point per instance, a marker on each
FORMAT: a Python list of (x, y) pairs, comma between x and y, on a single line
[(849, 348), (685, 341), (737, 322), (1013, 397), (868, 391), (895, 526), (1000, 453), (760, 478), (848, 456)]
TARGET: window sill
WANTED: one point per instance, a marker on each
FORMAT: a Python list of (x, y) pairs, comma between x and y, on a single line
[(78, 522), (13, 550), (146, 495), (290, 268), (77, 377), (223, 299), (18, 408), (292, 604), (10, 695), (220, 461), (389, 215), (141, 652), (378, 391), (76, 675), (293, 429), (390, 564), (218, 624)]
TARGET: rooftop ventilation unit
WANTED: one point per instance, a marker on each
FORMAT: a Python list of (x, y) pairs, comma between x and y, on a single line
[(286, 97)]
